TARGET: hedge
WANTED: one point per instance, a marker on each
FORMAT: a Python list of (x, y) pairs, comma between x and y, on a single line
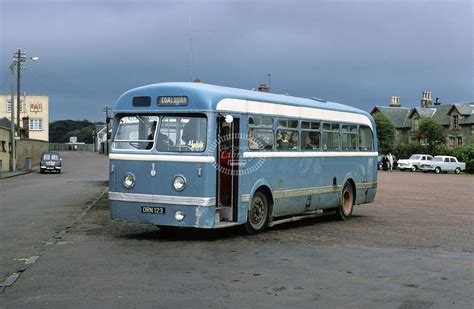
[(463, 153)]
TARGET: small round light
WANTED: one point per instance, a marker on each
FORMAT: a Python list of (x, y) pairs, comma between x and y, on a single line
[(128, 181), (179, 183), (179, 215)]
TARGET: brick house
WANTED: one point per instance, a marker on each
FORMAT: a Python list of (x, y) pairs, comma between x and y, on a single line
[(457, 119)]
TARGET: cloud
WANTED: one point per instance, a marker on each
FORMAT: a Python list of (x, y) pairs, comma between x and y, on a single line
[(355, 52)]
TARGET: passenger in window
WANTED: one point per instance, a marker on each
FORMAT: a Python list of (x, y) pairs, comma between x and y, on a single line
[(151, 136), (308, 143), (253, 144), (284, 143), (225, 138), (278, 137), (294, 140)]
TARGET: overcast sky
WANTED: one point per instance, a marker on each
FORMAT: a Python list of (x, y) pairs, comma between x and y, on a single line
[(354, 52)]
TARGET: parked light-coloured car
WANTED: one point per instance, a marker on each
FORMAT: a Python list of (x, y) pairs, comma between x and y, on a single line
[(443, 164), (414, 162)]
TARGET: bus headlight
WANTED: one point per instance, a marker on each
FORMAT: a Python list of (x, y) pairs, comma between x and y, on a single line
[(129, 181), (179, 183), (179, 215)]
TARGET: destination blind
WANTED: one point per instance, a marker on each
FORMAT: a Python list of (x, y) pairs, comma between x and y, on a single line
[(173, 100)]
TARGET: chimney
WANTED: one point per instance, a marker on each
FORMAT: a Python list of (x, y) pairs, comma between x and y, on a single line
[(263, 88), (395, 102), (426, 99), (26, 127), (437, 102)]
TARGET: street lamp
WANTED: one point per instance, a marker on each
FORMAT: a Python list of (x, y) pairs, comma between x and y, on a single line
[(19, 61)]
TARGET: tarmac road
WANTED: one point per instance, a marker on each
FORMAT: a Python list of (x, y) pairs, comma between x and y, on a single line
[(412, 248), (33, 207)]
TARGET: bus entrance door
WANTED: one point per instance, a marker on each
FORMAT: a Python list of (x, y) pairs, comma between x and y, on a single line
[(227, 169)]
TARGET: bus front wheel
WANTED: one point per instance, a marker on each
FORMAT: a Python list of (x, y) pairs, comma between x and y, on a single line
[(347, 202), (258, 214)]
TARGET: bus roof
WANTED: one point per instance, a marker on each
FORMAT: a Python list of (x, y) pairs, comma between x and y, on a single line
[(205, 97)]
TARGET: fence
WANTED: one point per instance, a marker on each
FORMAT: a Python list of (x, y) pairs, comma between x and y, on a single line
[(71, 147)]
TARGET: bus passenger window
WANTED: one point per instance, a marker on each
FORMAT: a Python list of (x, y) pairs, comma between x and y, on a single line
[(349, 137), (287, 139), (260, 139), (331, 140), (310, 140), (365, 138)]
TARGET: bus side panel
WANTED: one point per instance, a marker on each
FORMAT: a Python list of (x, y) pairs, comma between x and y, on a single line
[(309, 183)]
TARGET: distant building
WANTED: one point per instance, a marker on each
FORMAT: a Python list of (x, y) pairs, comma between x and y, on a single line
[(34, 114), (457, 119)]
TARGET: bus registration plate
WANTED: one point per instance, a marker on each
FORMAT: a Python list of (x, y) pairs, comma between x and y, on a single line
[(153, 210)]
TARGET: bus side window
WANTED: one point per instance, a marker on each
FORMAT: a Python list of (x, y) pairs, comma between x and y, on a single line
[(310, 135), (287, 135), (331, 139), (260, 139), (365, 138), (349, 137), (261, 135)]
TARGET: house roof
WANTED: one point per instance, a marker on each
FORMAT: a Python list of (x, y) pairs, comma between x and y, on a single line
[(441, 114), (423, 112), (4, 122), (466, 109), (397, 115), (400, 116)]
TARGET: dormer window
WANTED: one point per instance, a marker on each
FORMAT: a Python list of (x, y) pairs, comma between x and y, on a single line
[(416, 123), (455, 122)]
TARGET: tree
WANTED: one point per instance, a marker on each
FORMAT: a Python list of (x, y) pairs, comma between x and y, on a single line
[(432, 132), (61, 130), (385, 133)]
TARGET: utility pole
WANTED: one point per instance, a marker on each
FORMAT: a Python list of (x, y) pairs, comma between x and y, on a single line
[(12, 120), (20, 58)]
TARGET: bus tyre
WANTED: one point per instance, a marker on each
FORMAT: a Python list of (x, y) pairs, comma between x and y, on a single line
[(258, 214), (347, 202)]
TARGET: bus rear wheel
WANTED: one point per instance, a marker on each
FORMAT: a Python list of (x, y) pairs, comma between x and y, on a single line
[(344, 211), (258, 214)]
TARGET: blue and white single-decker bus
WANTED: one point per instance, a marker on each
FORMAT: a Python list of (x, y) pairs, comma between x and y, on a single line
[(205, 156)]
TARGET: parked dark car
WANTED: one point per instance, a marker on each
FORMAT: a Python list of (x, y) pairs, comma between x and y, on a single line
[(50, 161)]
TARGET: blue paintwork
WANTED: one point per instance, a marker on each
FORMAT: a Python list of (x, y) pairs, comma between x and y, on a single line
[(204, 97), (295, 172)]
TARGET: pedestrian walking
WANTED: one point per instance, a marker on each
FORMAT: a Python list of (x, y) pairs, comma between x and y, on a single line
[(390, 161)]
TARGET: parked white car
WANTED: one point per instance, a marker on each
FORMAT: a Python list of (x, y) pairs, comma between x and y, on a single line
[(414, 162), (443, 164)]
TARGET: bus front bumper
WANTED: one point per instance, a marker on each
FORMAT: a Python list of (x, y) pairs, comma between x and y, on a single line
[(199, 216)]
